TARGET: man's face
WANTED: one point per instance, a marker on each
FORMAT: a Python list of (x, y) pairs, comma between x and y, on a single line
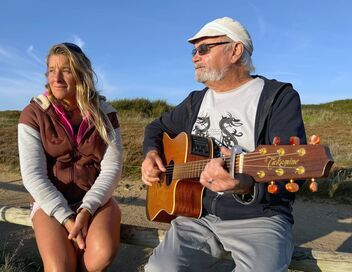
[(213, 65)]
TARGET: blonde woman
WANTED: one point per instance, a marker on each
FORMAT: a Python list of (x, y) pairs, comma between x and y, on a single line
[(70, 157)]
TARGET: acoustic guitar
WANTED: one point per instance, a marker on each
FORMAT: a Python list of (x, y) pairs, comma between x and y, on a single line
[(180, 193)]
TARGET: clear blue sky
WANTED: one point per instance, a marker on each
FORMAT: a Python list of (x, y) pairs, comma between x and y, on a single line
[(140, 49)]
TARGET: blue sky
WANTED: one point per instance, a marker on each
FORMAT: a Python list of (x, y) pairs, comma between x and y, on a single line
[(140, 49)]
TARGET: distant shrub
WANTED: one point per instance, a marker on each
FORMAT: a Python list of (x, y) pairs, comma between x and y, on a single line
[(338, 106), (10, 114), (141, 107)]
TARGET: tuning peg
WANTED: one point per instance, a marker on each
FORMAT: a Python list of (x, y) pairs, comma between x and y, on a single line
[(294, 140), (276, 140), (273, 188), (314, 139), (292, 186), (313, 185)]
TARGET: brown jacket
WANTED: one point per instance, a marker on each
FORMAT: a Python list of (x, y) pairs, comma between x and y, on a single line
[(72, 168)]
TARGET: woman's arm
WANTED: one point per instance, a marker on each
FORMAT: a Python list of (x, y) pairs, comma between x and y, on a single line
[(106, 182), (34, 174)]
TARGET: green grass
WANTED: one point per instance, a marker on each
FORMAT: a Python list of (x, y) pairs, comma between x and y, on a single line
[(8, 141), (333, 123), (141, 107)]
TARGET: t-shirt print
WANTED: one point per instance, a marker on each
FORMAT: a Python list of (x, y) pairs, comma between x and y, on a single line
[(229, 128)]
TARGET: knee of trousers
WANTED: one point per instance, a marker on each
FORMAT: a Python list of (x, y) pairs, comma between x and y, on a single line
[(161, 264)]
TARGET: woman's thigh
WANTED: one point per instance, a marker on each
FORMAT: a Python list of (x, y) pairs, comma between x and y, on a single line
[(56, 250), (103, 237)]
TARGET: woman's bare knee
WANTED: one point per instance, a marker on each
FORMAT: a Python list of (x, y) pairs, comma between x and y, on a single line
[(56, 265), (98, 261), (103, 238)]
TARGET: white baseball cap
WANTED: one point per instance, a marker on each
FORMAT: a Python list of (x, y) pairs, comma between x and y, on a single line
[(225, 27)]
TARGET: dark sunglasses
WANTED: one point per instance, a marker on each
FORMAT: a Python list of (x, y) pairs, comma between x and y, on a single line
[(204, 48)]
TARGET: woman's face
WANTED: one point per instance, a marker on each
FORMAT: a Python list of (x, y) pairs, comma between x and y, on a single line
[(61, 80)]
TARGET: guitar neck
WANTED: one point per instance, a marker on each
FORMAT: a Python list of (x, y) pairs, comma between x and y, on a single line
[(193, 169), (268, 163)]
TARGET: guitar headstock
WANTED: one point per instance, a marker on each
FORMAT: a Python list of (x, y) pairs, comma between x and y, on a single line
[(271, 163)]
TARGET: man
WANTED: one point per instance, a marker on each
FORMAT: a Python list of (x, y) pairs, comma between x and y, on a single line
[(236, 109)]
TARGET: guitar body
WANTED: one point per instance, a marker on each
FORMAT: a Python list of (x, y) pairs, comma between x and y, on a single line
[(171, 196)]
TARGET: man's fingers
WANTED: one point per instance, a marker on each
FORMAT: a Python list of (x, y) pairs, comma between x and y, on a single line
[(153, 162), (160, 164), (150, 180), (225, 151), (151, 170), (147, 182)]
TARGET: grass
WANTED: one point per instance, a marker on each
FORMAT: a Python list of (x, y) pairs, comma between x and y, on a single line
[(8, 141), (11, 261), (333, 123)]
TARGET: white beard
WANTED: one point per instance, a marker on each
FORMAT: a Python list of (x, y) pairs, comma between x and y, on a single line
[(210, 75)]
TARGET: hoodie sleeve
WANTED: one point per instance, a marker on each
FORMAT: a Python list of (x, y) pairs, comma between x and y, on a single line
[(34, 174), (106, 182)]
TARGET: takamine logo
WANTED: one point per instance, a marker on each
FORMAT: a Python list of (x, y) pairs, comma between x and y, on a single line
[(277, 161)]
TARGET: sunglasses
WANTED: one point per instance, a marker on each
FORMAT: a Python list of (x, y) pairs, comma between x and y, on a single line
[(204, 48)]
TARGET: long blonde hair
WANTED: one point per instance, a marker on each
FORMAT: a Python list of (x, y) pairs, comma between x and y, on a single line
[(87, 96)]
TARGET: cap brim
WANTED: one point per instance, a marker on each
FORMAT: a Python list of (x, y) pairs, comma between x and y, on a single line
[(204, 34)]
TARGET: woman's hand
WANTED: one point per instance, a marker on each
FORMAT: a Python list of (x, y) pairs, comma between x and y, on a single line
[(78, 227)]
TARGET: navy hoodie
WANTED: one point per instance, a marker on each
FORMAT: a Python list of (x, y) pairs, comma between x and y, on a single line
[(278, 114)]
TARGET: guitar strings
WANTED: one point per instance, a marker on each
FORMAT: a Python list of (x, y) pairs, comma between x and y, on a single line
[(199, 165)]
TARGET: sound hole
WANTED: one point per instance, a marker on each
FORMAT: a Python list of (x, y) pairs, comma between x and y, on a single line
[(169, 172)]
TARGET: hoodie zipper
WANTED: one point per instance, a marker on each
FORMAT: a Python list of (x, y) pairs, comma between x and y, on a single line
[(72, 143)]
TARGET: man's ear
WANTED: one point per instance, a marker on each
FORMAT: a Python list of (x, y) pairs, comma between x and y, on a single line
[(237, 52)]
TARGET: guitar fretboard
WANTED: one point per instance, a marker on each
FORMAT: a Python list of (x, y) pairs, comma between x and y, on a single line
[(192, 169)]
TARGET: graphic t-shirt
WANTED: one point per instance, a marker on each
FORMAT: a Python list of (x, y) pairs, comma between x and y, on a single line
[(229, 117)]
